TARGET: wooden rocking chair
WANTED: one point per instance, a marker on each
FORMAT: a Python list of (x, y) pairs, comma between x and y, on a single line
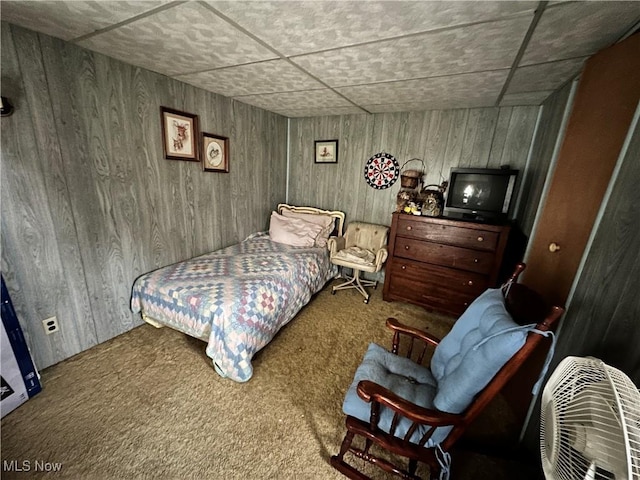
[(419, 413)]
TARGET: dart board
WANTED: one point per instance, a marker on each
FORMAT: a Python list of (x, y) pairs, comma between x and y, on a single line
[(381, 171)]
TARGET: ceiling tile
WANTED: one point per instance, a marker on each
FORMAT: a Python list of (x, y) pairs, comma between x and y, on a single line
[(303, 99), (488, 46), (295, 28), (478, 88), (545, 76), (577, 29), (309, 58), (69, 20), (433, 104), (264, 77), (526, 98), (183, 39), (319, 111)]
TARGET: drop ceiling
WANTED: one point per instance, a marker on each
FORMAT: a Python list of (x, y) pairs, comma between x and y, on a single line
[(310, 58)]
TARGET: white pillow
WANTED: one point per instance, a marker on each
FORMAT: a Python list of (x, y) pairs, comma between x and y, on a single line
[(325, 221), (293, 231)]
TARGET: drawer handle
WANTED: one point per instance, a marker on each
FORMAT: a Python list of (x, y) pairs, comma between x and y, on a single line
[(475, 260), (406, 247), (470, 282), (404, 267), (409, 227), (481, 239)]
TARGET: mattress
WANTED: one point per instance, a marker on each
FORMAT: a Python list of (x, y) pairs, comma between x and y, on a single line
[(236, 299)]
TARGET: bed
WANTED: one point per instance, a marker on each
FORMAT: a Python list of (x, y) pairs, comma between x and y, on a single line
[(236, 299)]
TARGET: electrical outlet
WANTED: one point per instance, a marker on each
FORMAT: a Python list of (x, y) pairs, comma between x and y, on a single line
[(50, 325)]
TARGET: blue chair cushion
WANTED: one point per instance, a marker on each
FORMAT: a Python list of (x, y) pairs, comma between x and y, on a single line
[(483, 339), (406, 379)]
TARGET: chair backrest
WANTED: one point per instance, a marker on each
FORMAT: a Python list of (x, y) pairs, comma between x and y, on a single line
[(366, 235), (483, 339), (525, 307)]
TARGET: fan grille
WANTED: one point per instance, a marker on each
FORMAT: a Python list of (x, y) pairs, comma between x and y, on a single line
[(590, 422)]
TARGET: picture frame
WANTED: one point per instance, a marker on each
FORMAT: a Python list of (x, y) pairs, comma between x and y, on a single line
[(215, 153), (179, 135), (326, 151)]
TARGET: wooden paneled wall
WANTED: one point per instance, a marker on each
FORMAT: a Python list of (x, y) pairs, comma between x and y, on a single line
[(553, 112), (602, 317), (485, 137), (88, 201)]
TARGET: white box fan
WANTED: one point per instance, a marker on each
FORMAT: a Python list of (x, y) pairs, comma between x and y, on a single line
[(590, 424)]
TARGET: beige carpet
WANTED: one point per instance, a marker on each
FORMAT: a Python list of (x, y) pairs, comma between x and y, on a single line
[(148, 404)]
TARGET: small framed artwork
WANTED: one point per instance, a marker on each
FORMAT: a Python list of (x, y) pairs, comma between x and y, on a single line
[(215, 153), (326, 151), (179, 135)]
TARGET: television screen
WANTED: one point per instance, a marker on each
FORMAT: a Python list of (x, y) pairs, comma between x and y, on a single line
[(480, 193)]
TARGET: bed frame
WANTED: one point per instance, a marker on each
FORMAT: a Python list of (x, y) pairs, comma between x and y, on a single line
[(317, 211)]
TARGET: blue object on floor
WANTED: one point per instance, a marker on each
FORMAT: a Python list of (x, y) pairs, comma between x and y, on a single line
[(19, 376)]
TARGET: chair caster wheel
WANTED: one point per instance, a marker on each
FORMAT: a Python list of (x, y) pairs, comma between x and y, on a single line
[(366, 300), (333, 292)]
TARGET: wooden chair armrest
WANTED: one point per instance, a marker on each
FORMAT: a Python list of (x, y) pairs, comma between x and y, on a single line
[(370, 391), (415, 334)]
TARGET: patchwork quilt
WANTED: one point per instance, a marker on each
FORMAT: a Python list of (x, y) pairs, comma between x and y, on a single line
[(236, 299)]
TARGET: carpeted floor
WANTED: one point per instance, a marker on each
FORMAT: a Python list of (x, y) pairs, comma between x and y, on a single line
[(148, 404)]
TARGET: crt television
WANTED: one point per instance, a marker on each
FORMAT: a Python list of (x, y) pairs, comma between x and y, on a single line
[(480, 194)]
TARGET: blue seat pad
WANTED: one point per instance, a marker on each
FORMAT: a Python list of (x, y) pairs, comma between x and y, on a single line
[(406, 379)]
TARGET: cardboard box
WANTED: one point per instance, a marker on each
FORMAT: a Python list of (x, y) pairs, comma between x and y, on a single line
[(18, 375)]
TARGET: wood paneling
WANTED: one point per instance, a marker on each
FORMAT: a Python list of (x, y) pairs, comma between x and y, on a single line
[(605, 101), (39, 241), (89, 203), (602, 318), (487, 137), (532, 184)]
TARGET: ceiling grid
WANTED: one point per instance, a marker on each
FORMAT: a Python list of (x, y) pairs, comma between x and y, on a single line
[(312, 58)]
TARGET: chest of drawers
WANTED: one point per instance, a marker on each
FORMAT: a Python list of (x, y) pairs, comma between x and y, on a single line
[(442, 264)]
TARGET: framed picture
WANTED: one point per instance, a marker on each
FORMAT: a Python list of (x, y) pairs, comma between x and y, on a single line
[(326, 151), (215, 153), (179, 135)]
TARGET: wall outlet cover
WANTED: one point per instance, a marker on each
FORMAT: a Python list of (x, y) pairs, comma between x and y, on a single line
[(50, 325)]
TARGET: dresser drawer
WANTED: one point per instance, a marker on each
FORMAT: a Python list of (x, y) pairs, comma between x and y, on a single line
[(445, 255), (435, 287), (449, 234), (438, 277)]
